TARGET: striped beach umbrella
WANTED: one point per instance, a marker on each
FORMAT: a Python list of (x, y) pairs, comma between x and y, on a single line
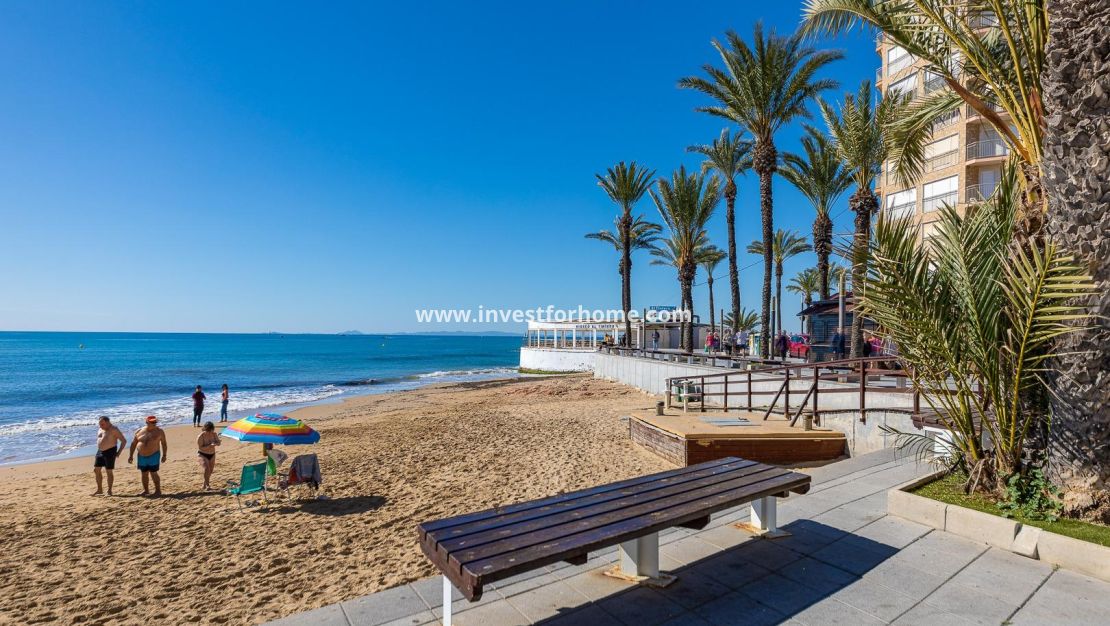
[(272, 428)]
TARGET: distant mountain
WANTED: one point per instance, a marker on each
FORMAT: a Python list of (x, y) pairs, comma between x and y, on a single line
[(351, 332)]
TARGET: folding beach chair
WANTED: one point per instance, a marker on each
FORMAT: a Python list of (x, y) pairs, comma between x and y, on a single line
[(253, 480)]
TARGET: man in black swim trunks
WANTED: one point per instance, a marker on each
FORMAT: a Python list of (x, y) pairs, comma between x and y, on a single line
[(106, 452)]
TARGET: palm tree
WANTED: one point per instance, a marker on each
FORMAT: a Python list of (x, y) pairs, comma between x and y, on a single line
[(686, 203), (728, 156), (762, 87), (976, 317), (643, 236), (806, 283), (747, 320), (709, 258), (625, 185), (857, 133), (822, 178), (784, 245), (989, 54)]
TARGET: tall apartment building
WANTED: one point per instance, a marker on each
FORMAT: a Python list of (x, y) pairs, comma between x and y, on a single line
[(964, 156)]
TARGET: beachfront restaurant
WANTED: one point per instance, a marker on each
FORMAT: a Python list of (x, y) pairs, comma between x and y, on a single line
[(576, 334)]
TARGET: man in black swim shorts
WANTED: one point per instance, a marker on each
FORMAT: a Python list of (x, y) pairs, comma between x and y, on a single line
[(107, 439)]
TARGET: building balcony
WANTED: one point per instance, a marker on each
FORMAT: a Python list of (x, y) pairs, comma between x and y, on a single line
[(973, 115), (936, 202), (988, 149), (879, 77), (945, 120), (933, 83), (982, 19), (978, 193), (899, 64), (941, 161)]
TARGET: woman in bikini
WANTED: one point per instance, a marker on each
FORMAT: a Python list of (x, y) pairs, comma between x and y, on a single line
[(207, 441)]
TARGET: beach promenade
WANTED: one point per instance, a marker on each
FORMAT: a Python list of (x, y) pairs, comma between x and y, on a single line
[(847, 562)]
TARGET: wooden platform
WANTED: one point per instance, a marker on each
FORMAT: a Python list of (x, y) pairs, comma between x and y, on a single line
[(692, 438)]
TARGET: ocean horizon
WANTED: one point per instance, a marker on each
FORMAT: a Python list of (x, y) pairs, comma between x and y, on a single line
[(57, 384)]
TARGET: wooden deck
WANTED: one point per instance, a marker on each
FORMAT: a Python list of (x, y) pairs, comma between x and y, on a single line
[(692, 438)]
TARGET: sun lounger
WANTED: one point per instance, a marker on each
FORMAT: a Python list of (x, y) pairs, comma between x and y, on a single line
[(252, 480), (476, 549)]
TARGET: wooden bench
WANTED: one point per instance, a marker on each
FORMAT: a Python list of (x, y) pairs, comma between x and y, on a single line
[(476, 549)]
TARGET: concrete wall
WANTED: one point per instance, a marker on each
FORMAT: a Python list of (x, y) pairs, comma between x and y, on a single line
[(645, 374), (551, 360)]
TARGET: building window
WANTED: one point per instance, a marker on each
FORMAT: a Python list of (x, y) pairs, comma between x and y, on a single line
[(897, 59), (939, 193), (902, 202), (942, 153), (933, 81), (946, 119), (906, 85)]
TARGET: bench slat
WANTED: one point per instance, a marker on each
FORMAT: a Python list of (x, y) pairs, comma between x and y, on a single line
[(571, 495), (457, 538), (479, 548)]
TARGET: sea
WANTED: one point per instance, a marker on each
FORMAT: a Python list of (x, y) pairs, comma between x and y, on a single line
[(54, 386)]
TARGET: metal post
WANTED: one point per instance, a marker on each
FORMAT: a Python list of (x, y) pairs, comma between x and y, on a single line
[(862, 388), (816, 389), (446, 602), (724, 402), (640, 557), (749, 389), (786, 398)]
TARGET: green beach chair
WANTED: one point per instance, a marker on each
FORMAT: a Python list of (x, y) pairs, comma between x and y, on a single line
[(253, 480)]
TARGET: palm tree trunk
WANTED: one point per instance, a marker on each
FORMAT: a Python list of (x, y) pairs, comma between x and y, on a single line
[(711, 309), (763, 162), (778, 297), (822, 245), (626, 277), (686, 279), (733, 273), (809, 318), (1079, 443), (864, 204)]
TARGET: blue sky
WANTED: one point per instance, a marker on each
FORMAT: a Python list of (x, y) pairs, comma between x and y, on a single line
[(250, 166)]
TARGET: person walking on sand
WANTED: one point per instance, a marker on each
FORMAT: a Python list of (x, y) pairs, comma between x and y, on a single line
[(198, 405), (150, 440), (223, 403), (106, 452), (206, 451)]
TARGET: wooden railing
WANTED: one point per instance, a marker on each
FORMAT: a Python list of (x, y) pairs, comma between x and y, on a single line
[(708, 359), (737, 390)]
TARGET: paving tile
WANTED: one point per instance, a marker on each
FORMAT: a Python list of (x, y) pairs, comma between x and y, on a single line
[(512, 586), (853, 555), (876, 599), (331, 615), (892, 531), (641, 606), (782, 594), (1067, 598), (724, 537), (929, 615), (430, 591), (419, 619), (730, 569), (971, 604), (940, 553), (499, 613), (594, 585), (693, 589), (548, 601), (588, 615), (831, 611), (818, 574), (905, 579), (1004, 575), (767, 553), (384, 606), (690, 550), (686, 619), (738, 608)]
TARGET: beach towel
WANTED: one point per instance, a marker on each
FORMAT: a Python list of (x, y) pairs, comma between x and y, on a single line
[(306, 469), (274, 459)]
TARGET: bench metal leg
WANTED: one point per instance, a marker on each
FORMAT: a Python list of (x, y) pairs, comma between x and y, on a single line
[(447, 591), (764, 522), (638, 561), (640, 557)]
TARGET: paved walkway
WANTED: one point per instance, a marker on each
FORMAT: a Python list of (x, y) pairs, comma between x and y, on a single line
[(847, 562)]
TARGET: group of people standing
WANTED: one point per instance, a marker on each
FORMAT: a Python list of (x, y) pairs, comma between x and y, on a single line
[(149, 447)]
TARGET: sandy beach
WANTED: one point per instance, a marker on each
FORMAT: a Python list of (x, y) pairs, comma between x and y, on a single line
[(389, 461)]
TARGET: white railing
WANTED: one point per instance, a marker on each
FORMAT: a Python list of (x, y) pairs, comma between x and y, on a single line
[(982, 19), (978, 193), (972, 113), (935, 202), (986, 149), (899, 64), (946, 119), (940, 161), (933, 83)]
